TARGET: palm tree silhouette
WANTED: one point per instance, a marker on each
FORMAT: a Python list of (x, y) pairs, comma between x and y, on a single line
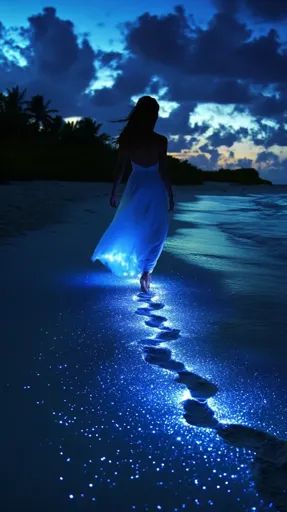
[(39, 112), (86, 128), (56, 126), (14, 99), (13, 119), (83, 131)]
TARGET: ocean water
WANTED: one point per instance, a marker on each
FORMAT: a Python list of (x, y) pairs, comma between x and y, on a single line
[(239, 308), (242, 239), (242, 244)]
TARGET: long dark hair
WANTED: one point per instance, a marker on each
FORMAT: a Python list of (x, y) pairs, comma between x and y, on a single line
[(140, 123)]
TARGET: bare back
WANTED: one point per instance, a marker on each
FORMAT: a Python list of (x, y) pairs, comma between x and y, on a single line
[(149, 153)]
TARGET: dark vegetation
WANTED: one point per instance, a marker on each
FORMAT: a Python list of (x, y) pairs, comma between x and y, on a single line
[(38, 144)]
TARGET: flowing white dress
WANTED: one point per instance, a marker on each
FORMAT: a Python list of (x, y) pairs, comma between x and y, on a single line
[(134, 240)]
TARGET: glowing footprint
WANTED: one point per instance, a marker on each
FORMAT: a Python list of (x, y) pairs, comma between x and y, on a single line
[(199, 414), (155, 321), (168, 334), (199, 387)]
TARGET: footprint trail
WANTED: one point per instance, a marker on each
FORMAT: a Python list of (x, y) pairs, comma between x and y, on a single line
[(269, 467)]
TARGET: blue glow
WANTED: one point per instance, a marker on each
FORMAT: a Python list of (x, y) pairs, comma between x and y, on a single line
[(99, 278), (161, 401), (116, 407), (120, 263), (130, 246)]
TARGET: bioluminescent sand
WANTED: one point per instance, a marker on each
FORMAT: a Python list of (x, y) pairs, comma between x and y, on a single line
[(115, 400)]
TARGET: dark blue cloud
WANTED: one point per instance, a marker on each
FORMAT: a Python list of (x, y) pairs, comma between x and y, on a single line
[(223, 136), (178, 123), (223, 63), (58, 65), (226, 49), (246, 163), (111, 59), (271, 167), (265, 10), (266, 156), (217, 64), (165, 39), (232, 91), (228, 6), (267, 135), (269, 106), (263, 59), (131, 80), (208, 159), (268, 10)]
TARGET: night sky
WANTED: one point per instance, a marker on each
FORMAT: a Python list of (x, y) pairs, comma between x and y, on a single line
[(217, 67)]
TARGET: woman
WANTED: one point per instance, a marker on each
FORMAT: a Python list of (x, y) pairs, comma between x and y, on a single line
[(134, 240)]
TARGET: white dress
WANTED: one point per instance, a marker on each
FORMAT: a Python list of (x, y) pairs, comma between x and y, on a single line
[(134, 240)]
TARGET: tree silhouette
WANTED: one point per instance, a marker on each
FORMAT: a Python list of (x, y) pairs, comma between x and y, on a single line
[(39, 113), (66, 133), (13, 118), (55, 126), (86, 129), (40, 145), (14, 100)]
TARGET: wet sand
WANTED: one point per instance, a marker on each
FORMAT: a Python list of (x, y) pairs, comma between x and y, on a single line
[(33, 205)]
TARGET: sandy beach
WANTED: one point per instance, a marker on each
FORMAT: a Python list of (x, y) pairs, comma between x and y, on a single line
[(34, 204), (108, 393)]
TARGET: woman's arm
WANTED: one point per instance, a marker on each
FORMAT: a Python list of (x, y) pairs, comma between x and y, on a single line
[(122, 161), (163, 170)]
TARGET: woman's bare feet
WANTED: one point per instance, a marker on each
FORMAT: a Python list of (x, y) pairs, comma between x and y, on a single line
[(148, 280), (145, 282)]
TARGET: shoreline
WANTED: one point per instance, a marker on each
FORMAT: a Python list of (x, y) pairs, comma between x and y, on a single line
[(206, 187), (31, 205)]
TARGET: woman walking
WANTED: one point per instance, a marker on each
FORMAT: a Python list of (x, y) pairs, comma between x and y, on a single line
[(134, 240)]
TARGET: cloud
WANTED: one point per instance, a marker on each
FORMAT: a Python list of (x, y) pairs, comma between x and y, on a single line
[(178, 121), (201, 161), (226, 137), (229, 6), (207, 159), (217, 64), (267, 156), (178, 145), (226, 50), (244, 163), (203, 89), (268, 10), (271, 167), (112, 59), (267, 135), (58, 65), (167, 56), (269, 106), (165, 39), (131, 80), (265, 10)]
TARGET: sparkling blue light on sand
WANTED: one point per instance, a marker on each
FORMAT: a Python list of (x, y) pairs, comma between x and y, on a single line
[(104, 278), (129, 414), (121, 263)]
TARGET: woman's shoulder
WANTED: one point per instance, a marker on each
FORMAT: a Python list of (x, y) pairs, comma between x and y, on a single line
[(161, 139)]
